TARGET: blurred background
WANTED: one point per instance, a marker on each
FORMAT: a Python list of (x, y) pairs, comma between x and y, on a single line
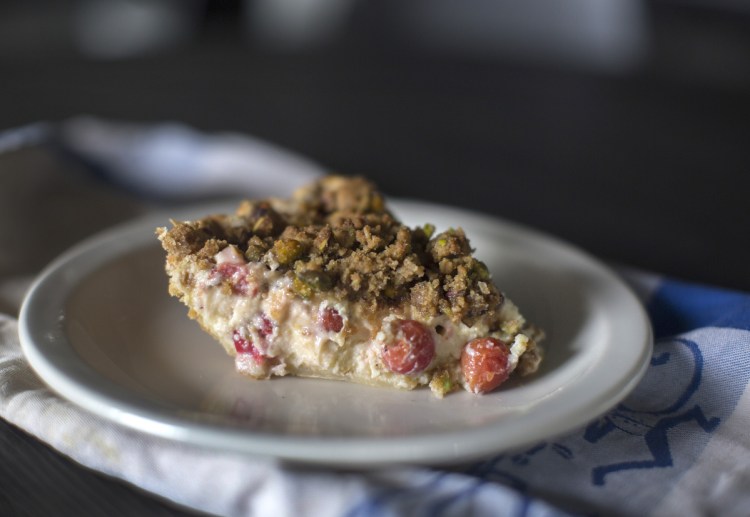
[(622, 126)]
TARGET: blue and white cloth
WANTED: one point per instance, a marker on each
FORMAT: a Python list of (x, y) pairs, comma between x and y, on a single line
[(679, 444)]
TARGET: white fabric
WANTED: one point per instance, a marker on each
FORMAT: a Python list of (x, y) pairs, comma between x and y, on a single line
[(200, 478)]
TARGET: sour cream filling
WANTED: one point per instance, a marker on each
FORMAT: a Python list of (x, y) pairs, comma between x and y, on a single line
[(286, 330)]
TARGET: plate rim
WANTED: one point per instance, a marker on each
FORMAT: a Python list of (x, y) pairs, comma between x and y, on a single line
[(467, 444)]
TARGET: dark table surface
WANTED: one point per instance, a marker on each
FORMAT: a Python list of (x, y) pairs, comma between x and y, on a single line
[(646, 167)]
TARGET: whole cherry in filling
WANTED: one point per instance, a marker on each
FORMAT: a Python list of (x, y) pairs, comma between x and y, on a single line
[(331, 320), (484, 362), (411, 350)]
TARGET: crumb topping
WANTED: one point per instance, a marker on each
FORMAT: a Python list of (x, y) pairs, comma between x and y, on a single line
[(338, 236)]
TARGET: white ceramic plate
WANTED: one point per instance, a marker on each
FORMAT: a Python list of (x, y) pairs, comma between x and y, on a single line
[(100, 329)]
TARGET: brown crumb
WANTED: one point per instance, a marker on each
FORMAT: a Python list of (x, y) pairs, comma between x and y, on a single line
[(337, 234)]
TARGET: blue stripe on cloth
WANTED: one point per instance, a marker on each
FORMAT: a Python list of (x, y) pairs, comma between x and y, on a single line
[(451, 494), (678, 307)]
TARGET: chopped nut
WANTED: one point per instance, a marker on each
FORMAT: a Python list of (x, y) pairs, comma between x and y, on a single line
[(316, 280), (287, 251), (337, 234)]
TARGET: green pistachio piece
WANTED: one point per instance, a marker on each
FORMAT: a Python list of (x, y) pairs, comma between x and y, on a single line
[(301, 288), (308, 283), (480, 270), (287, 251)]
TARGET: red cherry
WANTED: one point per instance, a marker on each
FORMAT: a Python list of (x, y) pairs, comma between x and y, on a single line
[(411, 350), (236, 274), (245, 346), (484, 362), (331, 320), (264, 326)]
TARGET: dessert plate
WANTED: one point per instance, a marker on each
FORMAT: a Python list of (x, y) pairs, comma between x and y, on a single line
[(99, 327)]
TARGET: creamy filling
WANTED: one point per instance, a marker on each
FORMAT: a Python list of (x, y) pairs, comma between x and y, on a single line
[(270, 330)]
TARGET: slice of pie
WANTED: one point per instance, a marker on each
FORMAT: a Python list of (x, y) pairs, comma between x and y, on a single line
[(329, 284)]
